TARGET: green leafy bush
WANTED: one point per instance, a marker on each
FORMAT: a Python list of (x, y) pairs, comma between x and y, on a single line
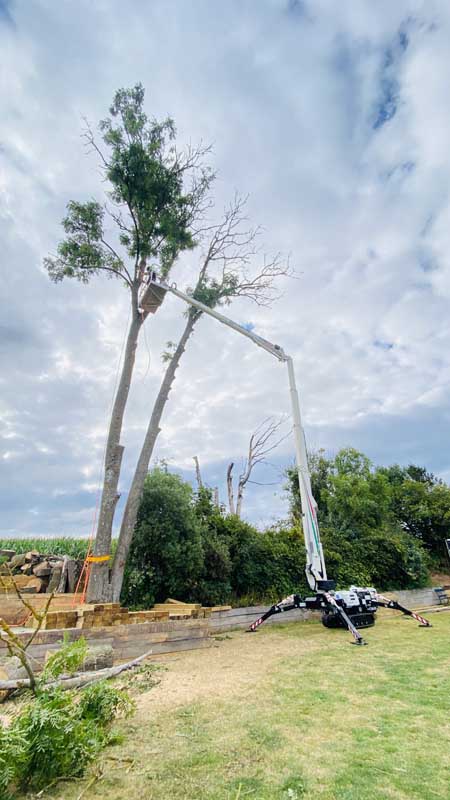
[(376, 523), (67, 659), (185, 547), (58, 733), (101, 702)]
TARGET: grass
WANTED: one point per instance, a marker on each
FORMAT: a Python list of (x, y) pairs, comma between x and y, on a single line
[(320, 720)]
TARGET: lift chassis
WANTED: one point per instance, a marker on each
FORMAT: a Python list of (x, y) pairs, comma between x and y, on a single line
[(353, 608)]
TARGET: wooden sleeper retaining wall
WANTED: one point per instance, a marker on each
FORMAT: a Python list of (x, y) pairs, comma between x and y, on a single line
[(127, 641)]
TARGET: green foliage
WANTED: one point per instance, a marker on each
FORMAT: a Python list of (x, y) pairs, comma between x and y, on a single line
[(13, 745), (63, 546), (83, 253), (57, 735), (378, 525), (67, 660), (185, 547), (153, 209), (166, 556), (101, 702)]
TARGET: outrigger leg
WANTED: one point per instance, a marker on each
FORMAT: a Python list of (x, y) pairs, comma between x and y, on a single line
[(321, 602), (385, 602), (346, 619), (293, 601)]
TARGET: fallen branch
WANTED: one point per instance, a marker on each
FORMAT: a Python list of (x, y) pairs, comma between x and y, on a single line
[(79, 679)]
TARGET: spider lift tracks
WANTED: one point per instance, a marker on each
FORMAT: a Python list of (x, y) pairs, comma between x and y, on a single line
[(353, 608)]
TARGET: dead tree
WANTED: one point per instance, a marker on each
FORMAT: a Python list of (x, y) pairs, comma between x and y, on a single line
[(198, 474), (260, 445), (225, 273)]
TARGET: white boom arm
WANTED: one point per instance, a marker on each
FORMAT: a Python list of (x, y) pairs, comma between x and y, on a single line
[(315, 563)]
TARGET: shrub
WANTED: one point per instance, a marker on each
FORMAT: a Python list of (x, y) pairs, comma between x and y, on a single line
[(58, 733), (166, 558)]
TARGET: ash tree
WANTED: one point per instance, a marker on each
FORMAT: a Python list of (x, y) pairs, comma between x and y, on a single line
[(155, 196), (233, 265)]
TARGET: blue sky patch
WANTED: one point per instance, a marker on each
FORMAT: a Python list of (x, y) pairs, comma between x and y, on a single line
[(383, 345), (5, 11)]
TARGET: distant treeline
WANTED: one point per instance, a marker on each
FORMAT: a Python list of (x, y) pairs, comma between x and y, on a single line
[(380, 526)]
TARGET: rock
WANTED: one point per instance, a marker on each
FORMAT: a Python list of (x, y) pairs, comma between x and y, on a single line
[(34, 585), (42, 570), (17, 561), (27, 569)]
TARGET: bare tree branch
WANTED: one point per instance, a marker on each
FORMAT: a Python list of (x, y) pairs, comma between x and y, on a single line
[(261, 443)]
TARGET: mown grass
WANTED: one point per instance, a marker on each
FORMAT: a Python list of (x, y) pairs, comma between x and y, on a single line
[(328, 722)]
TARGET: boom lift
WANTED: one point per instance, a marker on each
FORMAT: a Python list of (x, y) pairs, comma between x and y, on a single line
[(353, 608)]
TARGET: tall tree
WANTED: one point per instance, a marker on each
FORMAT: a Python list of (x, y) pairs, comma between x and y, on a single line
[(155, 197), (225, 273)]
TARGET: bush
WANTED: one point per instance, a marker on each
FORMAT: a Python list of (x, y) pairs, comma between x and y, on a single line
[(58, 733), (185, 547), (166, 558)]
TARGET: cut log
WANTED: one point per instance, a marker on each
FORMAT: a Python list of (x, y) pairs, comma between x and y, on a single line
[(42, 570), (63, 580), (32, 555), (8, 553), (55, 578), (71, 575), (17, 561), (79, 680), (34, 585)]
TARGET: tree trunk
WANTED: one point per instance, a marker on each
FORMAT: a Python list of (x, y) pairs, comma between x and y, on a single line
[(240, 495), (230, 488), (135, 493), (198, 473), (99, 588)]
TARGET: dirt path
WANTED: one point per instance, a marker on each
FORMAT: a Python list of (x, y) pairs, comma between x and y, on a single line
[(230, 668)]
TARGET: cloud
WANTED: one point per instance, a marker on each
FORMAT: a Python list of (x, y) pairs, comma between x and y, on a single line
[(338, 127)]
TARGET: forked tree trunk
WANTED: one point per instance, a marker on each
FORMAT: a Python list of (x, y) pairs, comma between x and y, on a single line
[(135, 493), (99, 588)]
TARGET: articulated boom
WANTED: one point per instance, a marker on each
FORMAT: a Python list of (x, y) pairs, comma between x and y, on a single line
[(353, 608)]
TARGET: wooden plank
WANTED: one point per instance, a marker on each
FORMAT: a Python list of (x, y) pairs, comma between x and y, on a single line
[(187, 606), (164, 647)]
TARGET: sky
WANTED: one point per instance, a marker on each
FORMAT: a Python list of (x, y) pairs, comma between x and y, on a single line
[(335, 120)]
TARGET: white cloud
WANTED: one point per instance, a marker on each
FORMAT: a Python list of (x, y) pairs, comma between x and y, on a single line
[(289, 94)]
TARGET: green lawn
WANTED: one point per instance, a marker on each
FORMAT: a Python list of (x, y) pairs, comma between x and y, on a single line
[(298, 713)]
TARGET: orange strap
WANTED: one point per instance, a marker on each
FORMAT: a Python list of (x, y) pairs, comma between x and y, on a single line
[(97, 559)]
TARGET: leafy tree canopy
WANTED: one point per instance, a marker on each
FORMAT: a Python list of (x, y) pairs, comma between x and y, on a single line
[(408, 507), (155, 194)]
